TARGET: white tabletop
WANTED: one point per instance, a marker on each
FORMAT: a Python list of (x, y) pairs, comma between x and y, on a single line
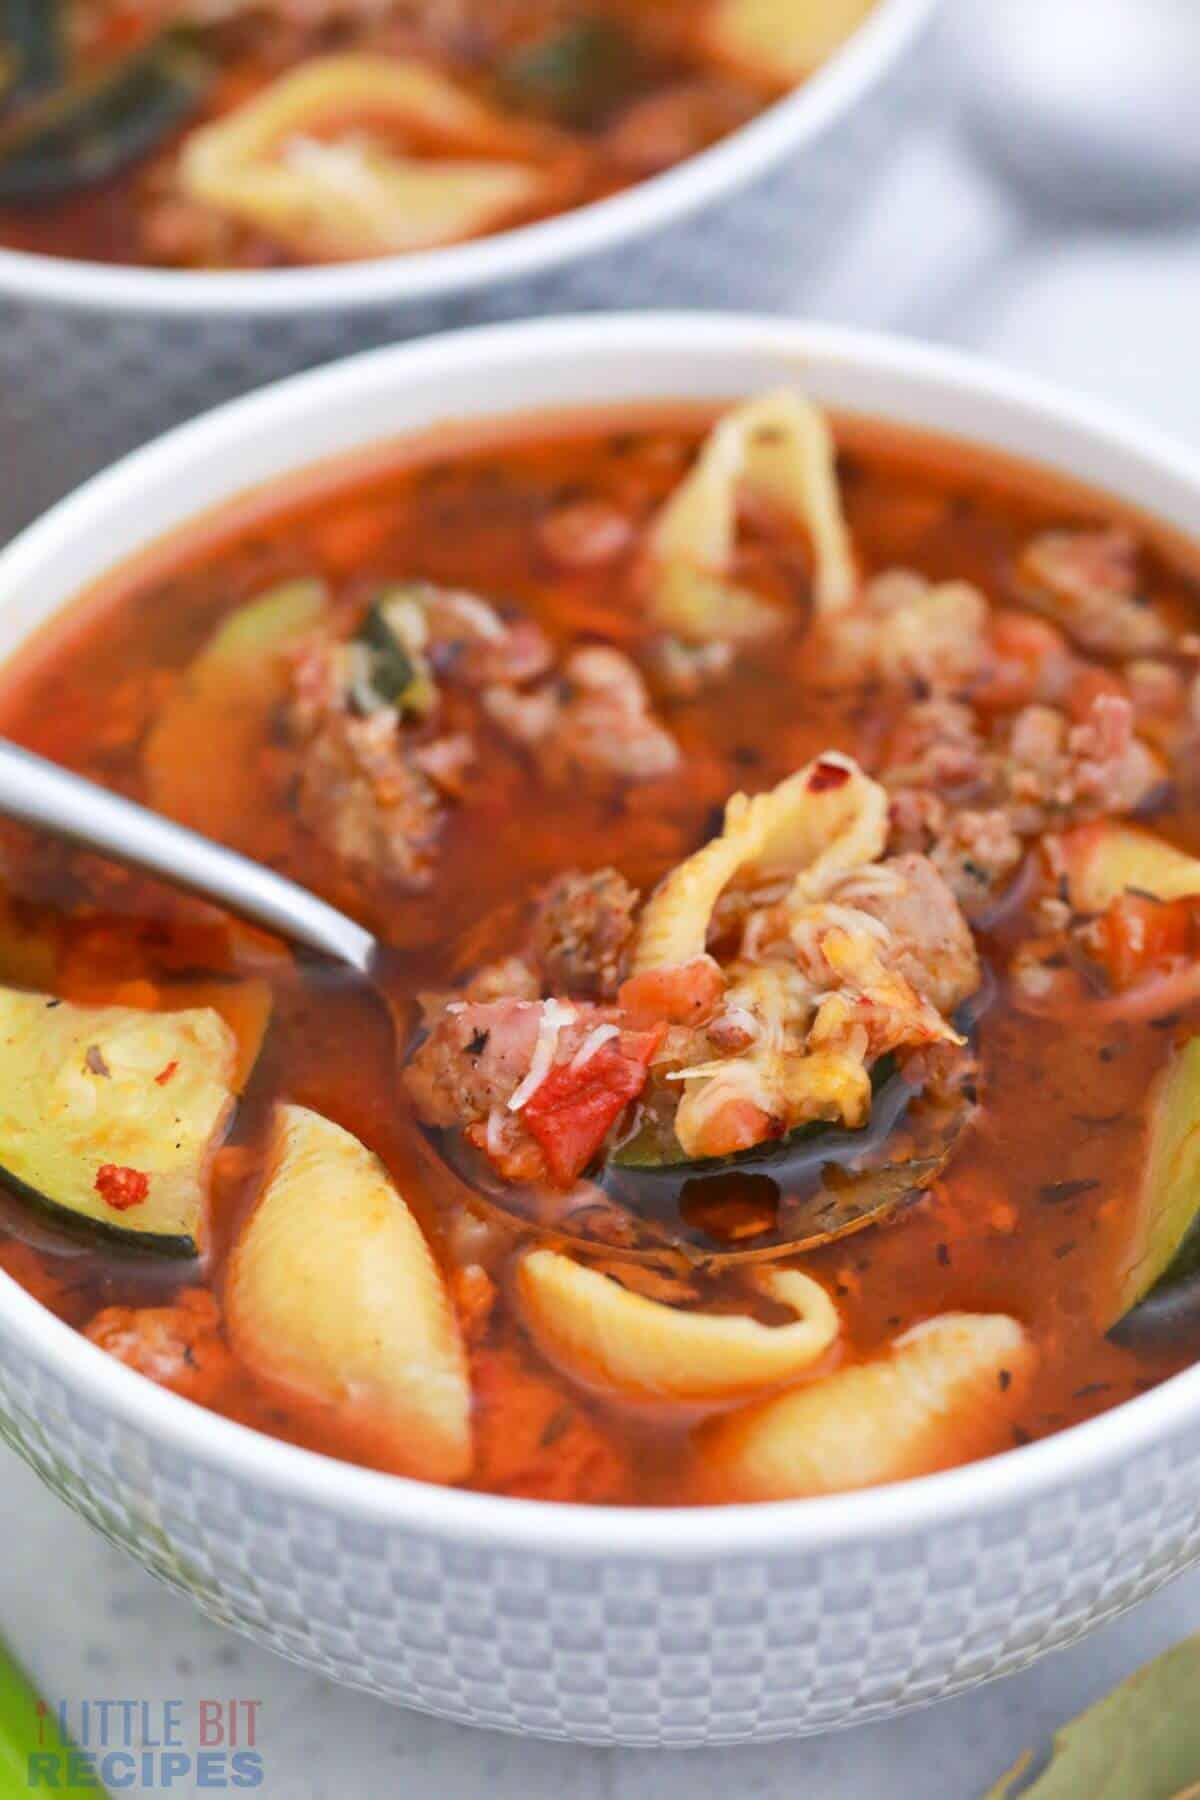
[(934, 249)]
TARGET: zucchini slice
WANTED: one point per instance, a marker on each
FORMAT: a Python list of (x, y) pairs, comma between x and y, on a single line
[(223, 701), (77, 134), (109, 1116), (245, 1006), (1166, 1241), (391, 641), (334, 1294)]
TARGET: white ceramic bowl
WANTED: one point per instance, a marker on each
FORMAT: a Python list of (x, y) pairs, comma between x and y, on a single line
[(95, 360), (782, 128), (635, 1626)]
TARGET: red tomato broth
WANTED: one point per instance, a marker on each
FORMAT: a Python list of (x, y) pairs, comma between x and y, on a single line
[(1034, 1206)]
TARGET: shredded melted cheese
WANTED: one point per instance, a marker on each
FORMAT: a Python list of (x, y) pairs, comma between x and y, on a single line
[(554, 1016), (595, 1040)]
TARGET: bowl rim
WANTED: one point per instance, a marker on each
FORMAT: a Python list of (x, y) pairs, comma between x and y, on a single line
[(527, 250), (1028, 1474)]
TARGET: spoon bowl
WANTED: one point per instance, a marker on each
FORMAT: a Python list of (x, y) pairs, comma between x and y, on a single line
[(1088, 106)]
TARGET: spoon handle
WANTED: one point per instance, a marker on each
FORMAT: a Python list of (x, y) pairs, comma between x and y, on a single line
[(40, 794)]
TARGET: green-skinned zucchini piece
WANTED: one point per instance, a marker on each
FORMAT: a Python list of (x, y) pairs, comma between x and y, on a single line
[(85, 131), (109, 1116), (574, 75), (392, 642), (222, 702), (1104, 860), (1165, 1248)]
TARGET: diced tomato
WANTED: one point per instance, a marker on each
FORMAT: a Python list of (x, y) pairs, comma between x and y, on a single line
[(573, 1110), (1088, 685), (1138, 934), (738, 1125), (683, 995), (121, 1188), (164, 1075)]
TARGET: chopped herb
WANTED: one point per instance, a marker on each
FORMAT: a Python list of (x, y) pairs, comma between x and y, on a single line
[(943, 1255), (557, 1426), (574, 75), (1055, 1192), (1004, 1377), (477, 1043)]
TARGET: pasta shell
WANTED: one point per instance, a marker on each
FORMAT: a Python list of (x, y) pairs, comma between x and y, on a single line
[(334, 1294), (271, 163), (616, 1341), (811, 828), (780, 448), (943, 1395)]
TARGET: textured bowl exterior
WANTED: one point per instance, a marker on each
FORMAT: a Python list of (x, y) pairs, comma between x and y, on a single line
[(607, 1647), (603, 1625), (91, 367)]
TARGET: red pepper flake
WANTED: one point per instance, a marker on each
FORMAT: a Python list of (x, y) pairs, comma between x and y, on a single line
[(121, 1188), (164, 1075), (827, 775)]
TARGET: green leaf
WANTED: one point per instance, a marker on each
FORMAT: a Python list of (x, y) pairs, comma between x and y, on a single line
[(1141, 1743), (574, 75), (27, 1727)]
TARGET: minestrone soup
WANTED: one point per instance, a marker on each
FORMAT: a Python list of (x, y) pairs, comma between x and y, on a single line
[(212, 134), (787, 841)]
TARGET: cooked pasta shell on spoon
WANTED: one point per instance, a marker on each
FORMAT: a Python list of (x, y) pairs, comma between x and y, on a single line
[(312, 161), (333, 1293), (944, 1394), (779, 42), (780, 450), (825, 819), (616, 1341)]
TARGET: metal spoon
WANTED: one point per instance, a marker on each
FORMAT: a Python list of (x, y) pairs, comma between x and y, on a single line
[(1088, 106), (40, 794), (51, 799)]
